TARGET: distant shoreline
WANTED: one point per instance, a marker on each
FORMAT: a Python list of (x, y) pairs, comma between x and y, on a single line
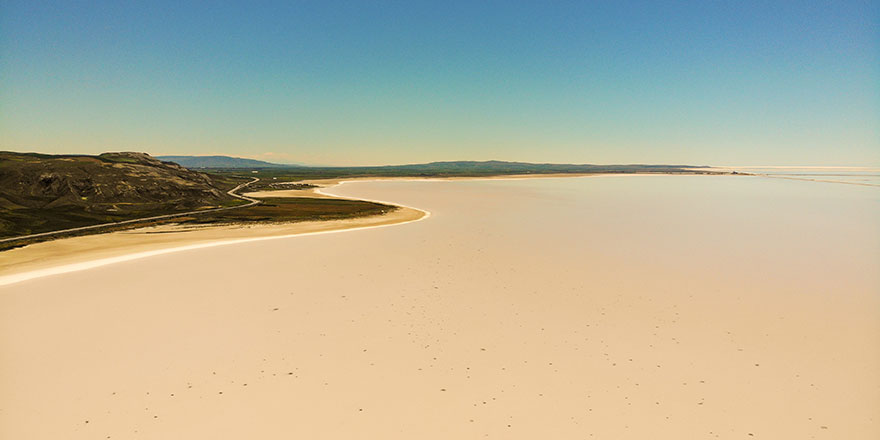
[(45, 197), (8, 243)]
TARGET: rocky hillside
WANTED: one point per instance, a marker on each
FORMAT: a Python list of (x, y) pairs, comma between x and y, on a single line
[(40, 193)]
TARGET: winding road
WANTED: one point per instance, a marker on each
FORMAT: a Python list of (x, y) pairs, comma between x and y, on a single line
[(139, 220)]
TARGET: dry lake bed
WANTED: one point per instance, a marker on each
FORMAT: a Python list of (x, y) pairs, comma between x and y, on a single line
[(617, 307)]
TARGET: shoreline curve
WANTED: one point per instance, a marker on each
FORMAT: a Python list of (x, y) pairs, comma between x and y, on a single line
[(344, 226)]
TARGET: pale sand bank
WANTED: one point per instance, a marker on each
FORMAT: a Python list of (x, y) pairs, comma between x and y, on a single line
[(661, 307), (79, 253)]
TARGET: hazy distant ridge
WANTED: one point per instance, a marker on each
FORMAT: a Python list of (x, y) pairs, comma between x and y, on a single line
[(526, 167), (218, 162), (439, 168)]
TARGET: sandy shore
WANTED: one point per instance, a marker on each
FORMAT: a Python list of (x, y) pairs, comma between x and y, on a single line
[(78, 253)]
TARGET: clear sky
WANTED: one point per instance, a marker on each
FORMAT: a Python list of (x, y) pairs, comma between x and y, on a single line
[(377, 82)]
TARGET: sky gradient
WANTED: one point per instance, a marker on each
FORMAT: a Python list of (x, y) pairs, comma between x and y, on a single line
[(361, 83)]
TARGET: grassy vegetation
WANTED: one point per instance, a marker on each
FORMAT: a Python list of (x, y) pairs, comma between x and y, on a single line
[(25, 221), (274, 185), (227, 181), (272, 210), (292, 209)]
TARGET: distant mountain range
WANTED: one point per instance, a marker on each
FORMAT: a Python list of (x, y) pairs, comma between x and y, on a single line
[(504, 167), (439, 168), (479, 168), (219, 162)]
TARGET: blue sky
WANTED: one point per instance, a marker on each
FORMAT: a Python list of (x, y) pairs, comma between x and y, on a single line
[(327, 82)]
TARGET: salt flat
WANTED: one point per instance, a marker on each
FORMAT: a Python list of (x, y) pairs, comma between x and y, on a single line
[(605, 307)]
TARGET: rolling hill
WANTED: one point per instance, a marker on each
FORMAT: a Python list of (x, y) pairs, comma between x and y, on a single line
[(40, 192)]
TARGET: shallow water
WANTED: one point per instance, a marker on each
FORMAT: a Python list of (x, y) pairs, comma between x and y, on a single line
[(612, 307), (851, 175)]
